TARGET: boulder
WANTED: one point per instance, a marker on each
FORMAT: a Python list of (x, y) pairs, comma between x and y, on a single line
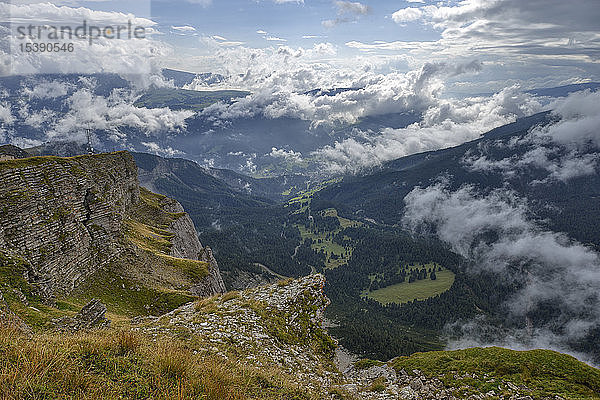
[(91, 316)]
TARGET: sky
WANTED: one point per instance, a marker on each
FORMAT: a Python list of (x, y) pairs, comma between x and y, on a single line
[(534, 43)]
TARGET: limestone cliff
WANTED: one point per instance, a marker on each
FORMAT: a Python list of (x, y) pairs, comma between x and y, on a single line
[(64, 215), (69, 218)]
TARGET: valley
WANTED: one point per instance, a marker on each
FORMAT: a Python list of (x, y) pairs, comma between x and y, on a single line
[(403, 249), (300, 200)]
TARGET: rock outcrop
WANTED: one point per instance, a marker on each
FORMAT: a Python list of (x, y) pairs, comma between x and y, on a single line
[(185, 243), (67, 217), (91, 316), (279, 327), (213, 282), (64, 215)]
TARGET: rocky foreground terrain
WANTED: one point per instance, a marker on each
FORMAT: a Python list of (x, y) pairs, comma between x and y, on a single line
[(262, 343), (106, 293), (279, 327)]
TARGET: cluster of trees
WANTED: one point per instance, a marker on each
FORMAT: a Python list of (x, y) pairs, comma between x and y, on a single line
[(401, 275), (262, 236), (321, 224), (382, 332), (306, 255)]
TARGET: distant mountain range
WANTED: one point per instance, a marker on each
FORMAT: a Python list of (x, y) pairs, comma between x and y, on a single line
[(181, 78), (254, 145), (572, 207), (564, 91)]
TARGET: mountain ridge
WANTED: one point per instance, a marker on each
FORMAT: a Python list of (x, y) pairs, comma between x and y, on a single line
[(70, 223)]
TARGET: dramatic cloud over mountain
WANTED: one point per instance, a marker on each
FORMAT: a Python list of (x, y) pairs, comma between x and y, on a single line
[(567, 149), (445, 123), (550, 268)]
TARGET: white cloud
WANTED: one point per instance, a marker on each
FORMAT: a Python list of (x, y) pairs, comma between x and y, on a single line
[(47, 90), (407, 15), (566, 149), (275, 39), (347, 11), (288, 155), (184, 28), (39, 119), (327, 49), (167, 151), (6, 114), (549, 268), (352, 7), (535, 28), (48, 13), (111, 114), (214, 42), (127, 57), (330, 23), (203, 3), (426, 46), (580, 119), (445, 123)]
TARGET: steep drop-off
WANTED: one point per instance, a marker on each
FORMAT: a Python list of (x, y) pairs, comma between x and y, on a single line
[(71, 226)]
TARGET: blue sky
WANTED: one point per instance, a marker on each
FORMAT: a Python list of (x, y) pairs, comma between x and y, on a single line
[(240, 19), (533, 43)]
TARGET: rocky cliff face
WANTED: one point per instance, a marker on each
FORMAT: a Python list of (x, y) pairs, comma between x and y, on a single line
[(63, 215), (68, 218), (185, 244), (213, 282)]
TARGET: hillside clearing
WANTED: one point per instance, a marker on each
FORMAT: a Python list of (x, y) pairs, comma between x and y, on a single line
[(419, 290)]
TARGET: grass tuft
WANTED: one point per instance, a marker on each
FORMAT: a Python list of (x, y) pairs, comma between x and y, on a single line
[(114, 364)]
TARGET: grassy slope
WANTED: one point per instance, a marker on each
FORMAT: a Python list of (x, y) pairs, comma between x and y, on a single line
[(173, 364), (419, 290), (12, 284), (327, 245), (543, 372), (116, 364), (152, 282)]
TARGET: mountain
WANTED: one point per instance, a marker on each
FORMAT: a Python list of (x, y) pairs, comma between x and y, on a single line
[(77, 228), (380, 196), (172, 121), (181, 78), (207, 198), (564, 91), (520, 206), (244, 228), (81, 241), (181, 99)]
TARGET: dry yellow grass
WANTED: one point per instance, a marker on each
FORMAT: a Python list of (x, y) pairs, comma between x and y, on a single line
[(115, 364)]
